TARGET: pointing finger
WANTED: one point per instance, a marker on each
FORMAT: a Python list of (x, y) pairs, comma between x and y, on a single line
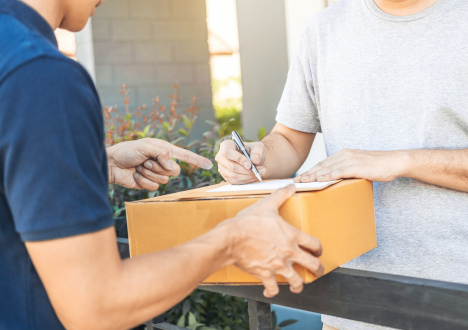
[(190, 157)]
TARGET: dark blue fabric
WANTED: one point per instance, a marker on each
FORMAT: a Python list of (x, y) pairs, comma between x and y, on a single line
[(53, 170)]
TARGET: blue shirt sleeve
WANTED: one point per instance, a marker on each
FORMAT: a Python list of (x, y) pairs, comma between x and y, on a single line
[(52, 150)]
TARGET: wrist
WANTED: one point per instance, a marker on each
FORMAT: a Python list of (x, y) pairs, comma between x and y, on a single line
[(228, 234), (406, 162)]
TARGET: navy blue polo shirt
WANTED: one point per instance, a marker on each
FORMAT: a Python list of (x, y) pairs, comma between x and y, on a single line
[(53, 167)]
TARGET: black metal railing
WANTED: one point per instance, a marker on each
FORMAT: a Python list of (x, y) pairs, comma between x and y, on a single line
[(383, 299)]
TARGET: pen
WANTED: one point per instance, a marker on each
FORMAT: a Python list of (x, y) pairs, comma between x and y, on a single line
[(241, 147)]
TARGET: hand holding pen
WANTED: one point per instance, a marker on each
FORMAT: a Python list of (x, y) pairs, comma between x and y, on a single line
[(241, 148), (236, 167)]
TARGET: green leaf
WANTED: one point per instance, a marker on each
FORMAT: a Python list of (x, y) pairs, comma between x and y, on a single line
[(191, 319), (187, 121), (177, 140), (128, 116), (181, 321), (166, 126), (222, 129), (141, 134), (261, 133), (186, 306), (183, 132), (285, 323), (151, 194), (146, 130)]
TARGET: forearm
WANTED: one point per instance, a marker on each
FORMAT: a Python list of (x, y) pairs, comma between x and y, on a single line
[(91, 287), (151, 284), (286, 151), (446, 168)]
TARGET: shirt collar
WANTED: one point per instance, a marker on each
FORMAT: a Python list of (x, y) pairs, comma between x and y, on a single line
[(29, 17)]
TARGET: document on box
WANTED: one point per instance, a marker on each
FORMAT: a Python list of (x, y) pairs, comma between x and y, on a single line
[(273, 185)]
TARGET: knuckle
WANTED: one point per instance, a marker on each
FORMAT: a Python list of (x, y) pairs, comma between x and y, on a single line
[(315, 264), (238, 177), (287, 252), (277, 264), (233, 167), (265, 273)]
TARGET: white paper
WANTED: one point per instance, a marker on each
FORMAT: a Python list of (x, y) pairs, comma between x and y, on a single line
[(271, 185)]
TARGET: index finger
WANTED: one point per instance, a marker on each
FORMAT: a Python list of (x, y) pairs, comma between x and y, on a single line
[(230, 152), (190, 157)]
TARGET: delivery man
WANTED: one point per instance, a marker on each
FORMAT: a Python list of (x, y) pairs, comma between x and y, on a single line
[(60, 266), (385, 82)]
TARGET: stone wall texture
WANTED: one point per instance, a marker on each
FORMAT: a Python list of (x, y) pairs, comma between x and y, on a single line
[(149, 45)]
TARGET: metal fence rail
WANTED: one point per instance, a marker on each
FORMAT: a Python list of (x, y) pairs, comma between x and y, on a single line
[(383, 299)]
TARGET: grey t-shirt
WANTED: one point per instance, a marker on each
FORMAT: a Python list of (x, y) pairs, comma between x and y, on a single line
[(372, 81)]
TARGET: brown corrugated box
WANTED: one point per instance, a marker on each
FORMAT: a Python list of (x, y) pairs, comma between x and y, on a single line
[(341, 216)]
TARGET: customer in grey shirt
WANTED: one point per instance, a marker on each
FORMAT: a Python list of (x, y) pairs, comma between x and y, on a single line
[(386, 82)]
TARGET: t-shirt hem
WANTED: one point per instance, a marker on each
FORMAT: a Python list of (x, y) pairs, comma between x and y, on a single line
[(68, 231)]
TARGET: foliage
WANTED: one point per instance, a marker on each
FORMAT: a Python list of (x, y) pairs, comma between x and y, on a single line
[(227, 108), (214, 310), (170, 124), (232, 116)]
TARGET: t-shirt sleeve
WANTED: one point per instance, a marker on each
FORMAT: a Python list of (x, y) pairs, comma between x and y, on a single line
[(297, 108), (53, 153)]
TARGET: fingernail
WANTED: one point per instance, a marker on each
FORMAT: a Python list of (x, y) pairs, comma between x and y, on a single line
[(169, 164), (247, 165), (207, 164), (148, 165), (136, 176), (139, 168)]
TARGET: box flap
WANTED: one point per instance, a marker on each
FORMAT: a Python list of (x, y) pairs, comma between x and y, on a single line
[(202, 193)]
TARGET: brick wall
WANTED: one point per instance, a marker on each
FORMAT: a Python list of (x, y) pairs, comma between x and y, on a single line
[(150, 45)]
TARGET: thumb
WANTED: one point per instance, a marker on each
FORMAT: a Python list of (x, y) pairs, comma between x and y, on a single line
[(280, 196), (257, 153)]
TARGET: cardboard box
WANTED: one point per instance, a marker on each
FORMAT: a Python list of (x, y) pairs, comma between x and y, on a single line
[(341, 216)]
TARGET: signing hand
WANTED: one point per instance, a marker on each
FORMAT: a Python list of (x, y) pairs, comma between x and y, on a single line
[(371, 165), (146, 163), (233, 165), (264, 245)]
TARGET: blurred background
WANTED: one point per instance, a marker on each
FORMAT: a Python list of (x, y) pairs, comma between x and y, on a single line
[(232, 55)]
